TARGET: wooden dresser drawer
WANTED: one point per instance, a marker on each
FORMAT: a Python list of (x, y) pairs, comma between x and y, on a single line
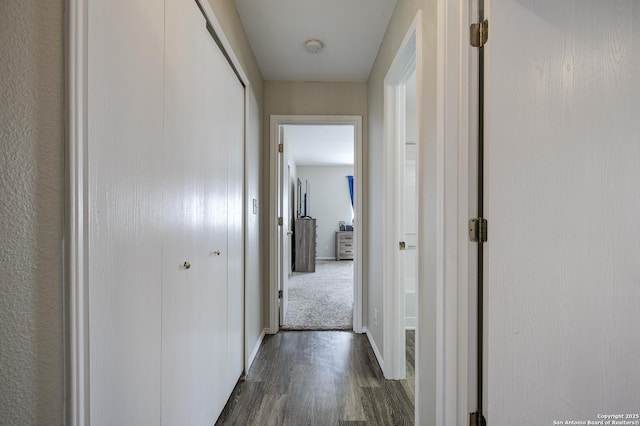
[(345, 246)]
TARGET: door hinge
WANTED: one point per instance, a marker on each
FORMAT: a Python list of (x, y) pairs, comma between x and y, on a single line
[(478, 230), (279, 294), (280, 221), (280, 147), (479, 34), (477, 419)]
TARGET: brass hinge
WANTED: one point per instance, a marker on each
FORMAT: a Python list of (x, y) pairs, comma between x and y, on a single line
[(479, 34), (280, 147), (280, 221), (478, 230), (279, 294), (477, 419)]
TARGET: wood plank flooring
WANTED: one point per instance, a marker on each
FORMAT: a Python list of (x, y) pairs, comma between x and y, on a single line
[(320, 378)]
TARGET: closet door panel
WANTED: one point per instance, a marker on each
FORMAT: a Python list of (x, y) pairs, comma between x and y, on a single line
[(193, 310), (202, 306), (215, 157), (233, 97), (125, 113)]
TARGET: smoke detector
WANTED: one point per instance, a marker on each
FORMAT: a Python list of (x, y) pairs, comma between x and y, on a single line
[(313, 46)]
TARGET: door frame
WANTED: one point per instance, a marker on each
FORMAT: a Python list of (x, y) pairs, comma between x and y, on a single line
[(405, 62), (275, 275), (445, 189), (76, 236)]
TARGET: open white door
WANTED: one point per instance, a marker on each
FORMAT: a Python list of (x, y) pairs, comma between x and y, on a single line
[(562, 197), (284, 238)]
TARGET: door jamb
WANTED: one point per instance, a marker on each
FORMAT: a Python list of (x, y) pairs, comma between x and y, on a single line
[(404, 63), (275, 122), (444, 221)]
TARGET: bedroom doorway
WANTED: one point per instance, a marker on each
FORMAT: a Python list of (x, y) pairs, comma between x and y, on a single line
[(315, 198)]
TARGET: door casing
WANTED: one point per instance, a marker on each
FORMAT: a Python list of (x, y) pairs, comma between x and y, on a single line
[(275, 201)]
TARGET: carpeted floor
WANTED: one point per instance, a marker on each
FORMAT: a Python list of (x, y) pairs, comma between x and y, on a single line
[(321, 300)]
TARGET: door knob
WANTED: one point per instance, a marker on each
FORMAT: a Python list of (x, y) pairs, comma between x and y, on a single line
[(217, 252), (289, 232), (187, 265), (403, 245)]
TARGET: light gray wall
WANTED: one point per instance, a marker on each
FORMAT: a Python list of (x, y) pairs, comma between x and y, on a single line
[(31, 212), (330, 202), (401, 20)]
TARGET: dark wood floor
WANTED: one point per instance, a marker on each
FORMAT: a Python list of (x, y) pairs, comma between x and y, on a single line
[(320, 378)]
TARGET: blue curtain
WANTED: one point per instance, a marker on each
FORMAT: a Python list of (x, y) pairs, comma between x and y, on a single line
[(350, 179)]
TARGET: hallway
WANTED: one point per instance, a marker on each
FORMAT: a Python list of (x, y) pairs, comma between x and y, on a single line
[(320, 378)]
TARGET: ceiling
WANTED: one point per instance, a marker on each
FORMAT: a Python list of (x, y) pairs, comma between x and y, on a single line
[(320, 145), (351, 31)]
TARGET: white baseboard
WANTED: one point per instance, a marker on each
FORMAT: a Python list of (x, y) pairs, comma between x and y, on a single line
[(254, 351), (375, 349)]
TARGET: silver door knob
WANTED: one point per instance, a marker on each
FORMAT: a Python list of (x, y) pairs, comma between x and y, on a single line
[(187, 265), (289, 232), (217, 252), (403, 245)]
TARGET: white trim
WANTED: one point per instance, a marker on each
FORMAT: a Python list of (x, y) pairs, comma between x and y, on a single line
[(404, 63), (452, 212), (76, 246), (254, 351), (376, 351), (459, 384), (224, 41), (275, 122)]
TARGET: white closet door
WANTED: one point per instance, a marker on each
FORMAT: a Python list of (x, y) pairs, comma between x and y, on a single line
[(230, 94), (193, 305), (203, 305), (125, 113), (563, 202), (225, 100)]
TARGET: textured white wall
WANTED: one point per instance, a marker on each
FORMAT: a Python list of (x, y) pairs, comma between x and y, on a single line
[(31, 212), (330, 202)]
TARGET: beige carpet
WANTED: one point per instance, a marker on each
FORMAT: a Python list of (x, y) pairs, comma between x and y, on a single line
[(321, 300)]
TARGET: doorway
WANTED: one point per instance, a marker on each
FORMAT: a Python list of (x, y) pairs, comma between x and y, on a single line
[(307, 203), (401, 244), (319, 213)]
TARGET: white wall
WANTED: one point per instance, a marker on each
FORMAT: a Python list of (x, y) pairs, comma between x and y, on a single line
[(31, 212), (330, 203)]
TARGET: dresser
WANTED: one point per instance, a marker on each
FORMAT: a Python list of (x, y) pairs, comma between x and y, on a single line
[(344, 245), (305, 240)]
